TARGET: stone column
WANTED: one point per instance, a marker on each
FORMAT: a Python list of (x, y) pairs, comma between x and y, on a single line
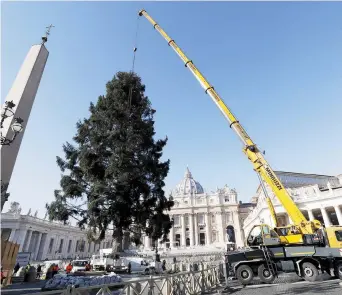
[(39, 239), (183, 239), (207, 229), (338, 214), (12, 235), (55, 248), (237, 229), (65, 247), (46, 246), (32, 242), (191, 224), (325, 217), (311, 216), (172, 237), (21, 239), (26, 248), (220, 227), (196, 230)]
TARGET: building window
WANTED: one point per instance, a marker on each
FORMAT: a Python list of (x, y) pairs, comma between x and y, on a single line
[(89, 247), (186, 202), (213, 219), (51, 245), (69, 246), (199, 201), (226, 199), (76, 248)]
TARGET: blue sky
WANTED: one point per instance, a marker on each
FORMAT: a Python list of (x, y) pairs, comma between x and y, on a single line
[(277, 65)]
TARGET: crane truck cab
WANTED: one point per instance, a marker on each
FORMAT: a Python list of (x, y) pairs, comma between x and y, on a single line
[(334, 236)]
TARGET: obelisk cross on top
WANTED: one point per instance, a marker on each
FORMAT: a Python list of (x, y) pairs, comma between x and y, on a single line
[(47, 33)]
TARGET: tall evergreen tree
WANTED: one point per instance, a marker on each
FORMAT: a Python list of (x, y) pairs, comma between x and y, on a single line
[(113, 174)]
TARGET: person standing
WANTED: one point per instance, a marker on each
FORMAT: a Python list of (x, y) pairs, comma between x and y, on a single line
[(69, 268), (39, 271), (16, 268)]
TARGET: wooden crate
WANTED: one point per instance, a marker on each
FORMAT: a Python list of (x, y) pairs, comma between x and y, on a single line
[(9, 251)]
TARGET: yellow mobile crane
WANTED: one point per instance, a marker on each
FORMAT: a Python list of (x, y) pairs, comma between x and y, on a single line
[(302, 231)]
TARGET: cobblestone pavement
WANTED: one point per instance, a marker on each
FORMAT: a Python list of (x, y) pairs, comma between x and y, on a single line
[(331, 287), (287, 285)]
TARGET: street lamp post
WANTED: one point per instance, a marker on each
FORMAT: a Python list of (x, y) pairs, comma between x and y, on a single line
[(17, 126)]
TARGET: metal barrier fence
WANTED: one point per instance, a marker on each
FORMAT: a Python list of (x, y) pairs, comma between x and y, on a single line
[(206, 279)]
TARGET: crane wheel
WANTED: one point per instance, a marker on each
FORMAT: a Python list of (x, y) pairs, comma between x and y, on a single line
[(265, 274), (244, 274), (309, 272), (338, 269)]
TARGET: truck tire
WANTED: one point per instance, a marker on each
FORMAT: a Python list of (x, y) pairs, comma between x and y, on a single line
[(244, 274), (265, 274), (309, 272), (338, 269)]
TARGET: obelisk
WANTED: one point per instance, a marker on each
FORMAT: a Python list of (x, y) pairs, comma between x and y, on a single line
[(22, 94)]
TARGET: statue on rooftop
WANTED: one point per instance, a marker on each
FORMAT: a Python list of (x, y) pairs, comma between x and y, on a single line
[(14, 208)]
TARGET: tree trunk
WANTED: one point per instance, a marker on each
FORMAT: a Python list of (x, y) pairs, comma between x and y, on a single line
[(117, 243)]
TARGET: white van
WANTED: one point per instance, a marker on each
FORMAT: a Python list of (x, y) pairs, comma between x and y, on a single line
[(79, 265)]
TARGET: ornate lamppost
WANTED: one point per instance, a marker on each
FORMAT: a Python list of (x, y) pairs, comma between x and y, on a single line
[(17, 126)]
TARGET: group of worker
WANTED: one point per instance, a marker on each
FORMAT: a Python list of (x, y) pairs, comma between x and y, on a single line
[(52, 271), (69, 267)]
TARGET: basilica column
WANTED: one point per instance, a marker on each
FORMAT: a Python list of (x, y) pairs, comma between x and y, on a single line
[(338, 214), (196, 229), (183, 240), (207, 229), (39, 239), (237, 229), (220, 227), (28, 242), (12, 235), (311, 216), (172, 237), (21, 239), (325, 216), (45, 251), (191, 223), (65, 247)]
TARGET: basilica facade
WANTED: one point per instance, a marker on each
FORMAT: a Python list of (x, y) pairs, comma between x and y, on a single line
[(203, 219)]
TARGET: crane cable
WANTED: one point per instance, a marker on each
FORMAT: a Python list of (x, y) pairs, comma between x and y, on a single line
[(133, 61)]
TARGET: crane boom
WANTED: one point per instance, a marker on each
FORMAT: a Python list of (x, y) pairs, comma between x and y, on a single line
[(250, 149)]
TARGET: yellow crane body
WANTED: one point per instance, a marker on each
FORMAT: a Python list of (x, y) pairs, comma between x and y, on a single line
[(250, 149)]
